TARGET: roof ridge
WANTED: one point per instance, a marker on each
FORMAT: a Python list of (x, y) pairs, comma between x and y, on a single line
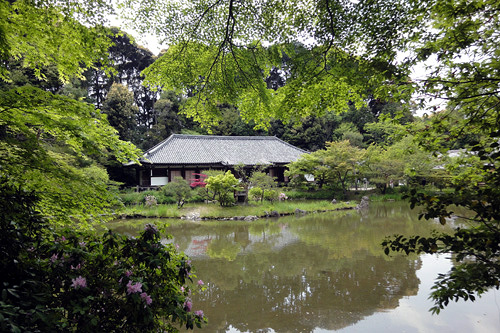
[(157, 146), (225, 137), (289, 144)]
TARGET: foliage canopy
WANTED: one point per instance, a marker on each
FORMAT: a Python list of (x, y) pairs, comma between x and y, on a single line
[(326, 52)]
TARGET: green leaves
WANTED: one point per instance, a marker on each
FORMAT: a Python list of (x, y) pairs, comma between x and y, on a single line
[(223, 186), (180, 189), (49, 143), (223, 51), (49, 33)]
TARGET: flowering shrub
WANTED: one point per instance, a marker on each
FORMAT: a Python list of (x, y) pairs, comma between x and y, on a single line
[(282, 197), (150, 200), (64, 280)]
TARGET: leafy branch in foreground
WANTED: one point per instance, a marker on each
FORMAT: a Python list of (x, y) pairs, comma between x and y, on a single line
[(464, 41), (223, 52), (476, 246), (51, 144)]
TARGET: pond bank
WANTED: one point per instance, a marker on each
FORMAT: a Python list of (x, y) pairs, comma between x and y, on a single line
[(243, 212)]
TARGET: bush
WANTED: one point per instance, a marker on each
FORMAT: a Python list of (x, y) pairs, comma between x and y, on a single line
[(271, 195), (403, 189), (135, 198), (199, 195), (130, 198), (312, 195), (255, 193), (62, 280), (161, 197), (179, 189), (223, 186)]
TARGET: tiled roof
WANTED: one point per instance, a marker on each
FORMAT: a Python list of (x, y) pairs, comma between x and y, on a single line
[(225, 150)]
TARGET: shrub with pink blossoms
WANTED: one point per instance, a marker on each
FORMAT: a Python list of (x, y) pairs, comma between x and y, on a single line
[(79, 282), (116, 276), (146, 298), (188, 305), (134, 287)]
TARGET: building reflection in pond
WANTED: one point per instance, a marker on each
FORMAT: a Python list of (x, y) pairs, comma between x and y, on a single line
[(297, 274)]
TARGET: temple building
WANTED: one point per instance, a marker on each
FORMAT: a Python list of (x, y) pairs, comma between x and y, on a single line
[(186, 155)]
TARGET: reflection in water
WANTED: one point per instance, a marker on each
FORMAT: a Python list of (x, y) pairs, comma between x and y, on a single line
[(321, 271)]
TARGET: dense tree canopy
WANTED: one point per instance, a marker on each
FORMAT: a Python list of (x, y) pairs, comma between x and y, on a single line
[(327, 52), (27, 29)]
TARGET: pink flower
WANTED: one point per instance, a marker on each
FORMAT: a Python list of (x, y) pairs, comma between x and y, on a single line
[(63, 238), (146, 298), (199, 313), (79, 282), (76, 267), (188, 305), (134, 287), (128, 273), (176, 246), (182, 289), (200, 282), (151, 228), (54, 258)]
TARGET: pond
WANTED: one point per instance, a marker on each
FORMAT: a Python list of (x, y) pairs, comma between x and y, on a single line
[(320, 273)]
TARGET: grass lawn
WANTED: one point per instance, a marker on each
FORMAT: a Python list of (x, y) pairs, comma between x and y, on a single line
[(214, 211)]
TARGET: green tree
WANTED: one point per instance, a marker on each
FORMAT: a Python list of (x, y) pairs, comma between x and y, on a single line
[(27, 26), (61, 140), (463, 39), (178, 188), (231, 124), (383, 167), (348, 131), (344, 161), (121, 111), (310, 164), (219, 55), (262, 185), (127, 60), (310, 133), (223, 186), (418, 163), (384, 132)]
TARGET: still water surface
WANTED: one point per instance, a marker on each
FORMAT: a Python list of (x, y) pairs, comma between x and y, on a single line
[(320, 273)]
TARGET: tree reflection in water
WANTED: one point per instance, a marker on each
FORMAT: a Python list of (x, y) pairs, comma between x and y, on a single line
[(297, 274)]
